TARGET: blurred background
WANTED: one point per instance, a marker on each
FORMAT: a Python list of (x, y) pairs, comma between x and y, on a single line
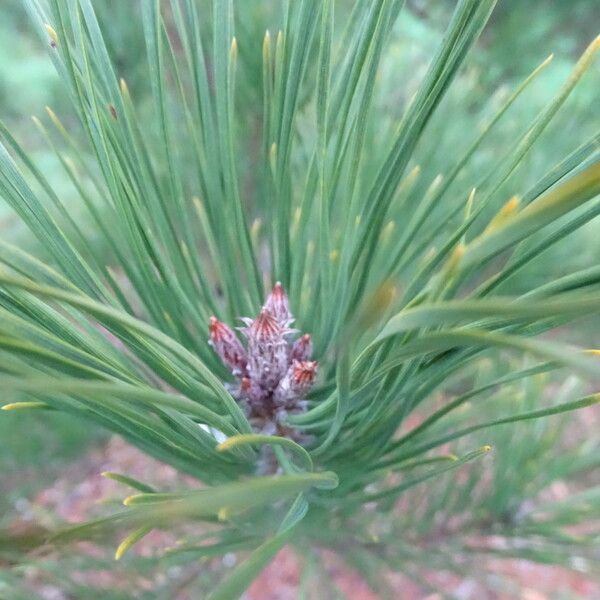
[(46, 461)]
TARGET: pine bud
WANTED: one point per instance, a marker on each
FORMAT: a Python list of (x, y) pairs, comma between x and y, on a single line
[(302, 348), (268, 352), (298, 379), (273, 374), (278, 305), (228, 347)]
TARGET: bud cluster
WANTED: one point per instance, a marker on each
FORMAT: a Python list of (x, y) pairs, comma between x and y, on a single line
[(273, 374)]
